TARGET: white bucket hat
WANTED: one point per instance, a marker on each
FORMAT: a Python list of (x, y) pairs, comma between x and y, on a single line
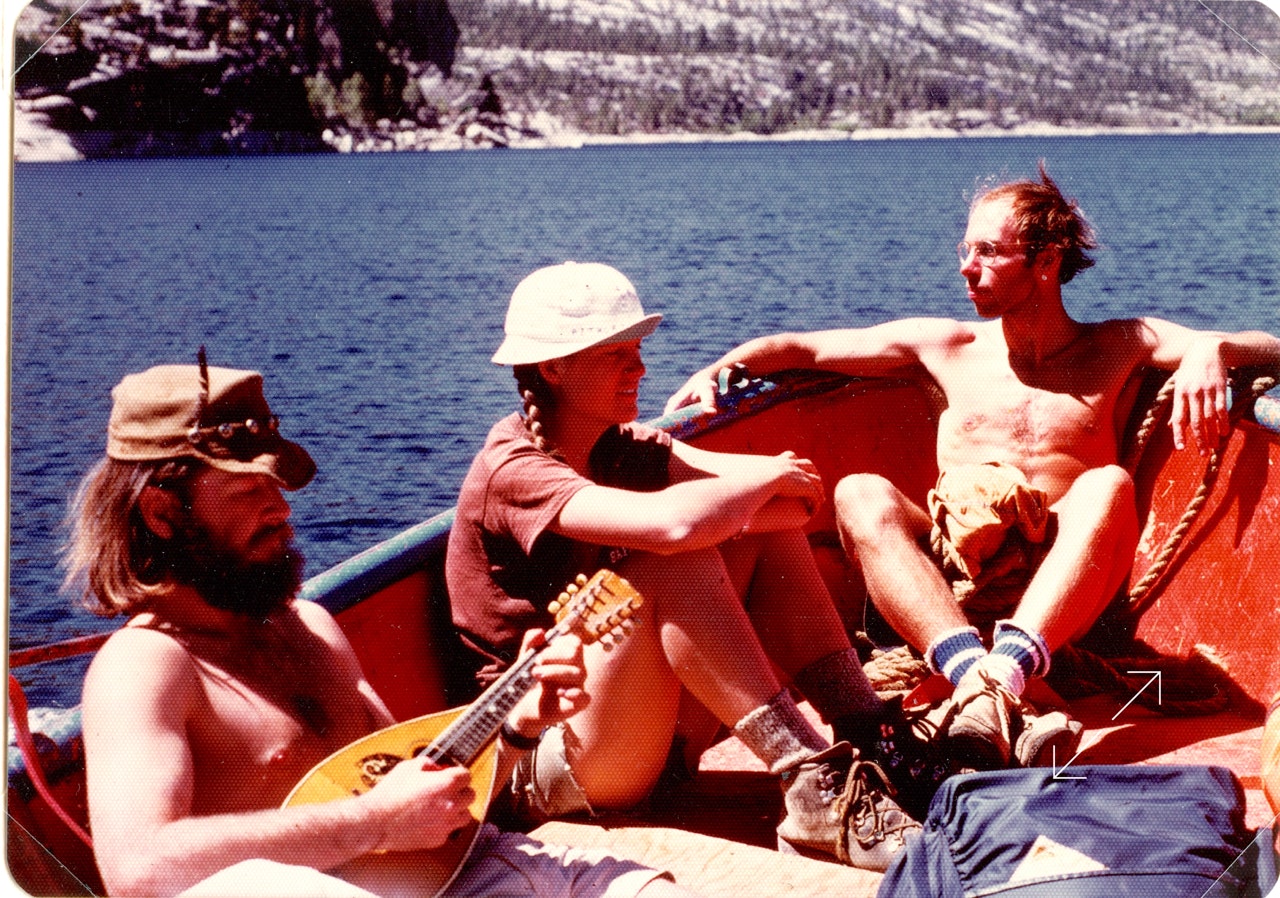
[(561, 309)]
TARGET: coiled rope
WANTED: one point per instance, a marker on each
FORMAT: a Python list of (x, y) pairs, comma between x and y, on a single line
[(1142, 592)]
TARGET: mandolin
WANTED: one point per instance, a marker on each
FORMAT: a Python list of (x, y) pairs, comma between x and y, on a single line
[(594, 610)]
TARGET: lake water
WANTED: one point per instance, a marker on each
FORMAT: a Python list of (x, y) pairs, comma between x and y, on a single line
[(370, 290)]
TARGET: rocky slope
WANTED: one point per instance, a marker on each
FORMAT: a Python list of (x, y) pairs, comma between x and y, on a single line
[(139, 77)]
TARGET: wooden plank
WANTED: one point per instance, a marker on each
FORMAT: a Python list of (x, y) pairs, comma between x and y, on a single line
[(716, 868)]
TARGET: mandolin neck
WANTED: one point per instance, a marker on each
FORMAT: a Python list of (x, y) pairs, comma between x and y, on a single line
[(464, 739)]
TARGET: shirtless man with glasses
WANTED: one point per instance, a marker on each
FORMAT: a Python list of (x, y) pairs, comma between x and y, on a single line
[(1035, 404)]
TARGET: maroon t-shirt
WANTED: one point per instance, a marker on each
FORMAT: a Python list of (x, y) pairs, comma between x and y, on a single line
[(503, 565)]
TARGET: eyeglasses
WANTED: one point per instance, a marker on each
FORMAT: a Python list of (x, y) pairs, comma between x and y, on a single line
[(986, 251)]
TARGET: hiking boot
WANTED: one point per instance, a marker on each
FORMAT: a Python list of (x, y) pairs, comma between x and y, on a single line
[(839, 806), (990, 728), (982, 723), (1047, 740), (908, 749)]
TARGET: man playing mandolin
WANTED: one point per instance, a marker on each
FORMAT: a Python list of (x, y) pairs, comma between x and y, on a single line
[(223, 689)]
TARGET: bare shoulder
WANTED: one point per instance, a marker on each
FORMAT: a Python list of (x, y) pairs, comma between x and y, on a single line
[(1140, 340), (139, 648), (938, 340), (313, 615), (317, 620), (136, 664)]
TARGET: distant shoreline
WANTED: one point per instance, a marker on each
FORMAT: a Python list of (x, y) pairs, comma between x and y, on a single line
[(35, 141)]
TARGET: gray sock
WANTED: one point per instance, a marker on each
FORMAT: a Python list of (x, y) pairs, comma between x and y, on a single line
[(836, 687), (778, 734)]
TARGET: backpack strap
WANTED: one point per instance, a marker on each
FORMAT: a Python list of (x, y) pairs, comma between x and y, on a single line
[(35, 770)]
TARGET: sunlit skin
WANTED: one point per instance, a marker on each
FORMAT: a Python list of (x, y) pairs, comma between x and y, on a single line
[(243, 512), (1001, 285), (225, 713), (598, 386), (1029, 386)]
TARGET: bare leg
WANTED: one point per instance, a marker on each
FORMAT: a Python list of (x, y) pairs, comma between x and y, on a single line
[(693, 631), (1089, 559), (786, 598), (880, 527)]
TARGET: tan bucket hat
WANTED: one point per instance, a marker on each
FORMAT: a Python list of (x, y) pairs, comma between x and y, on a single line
[(562, 309), (222, 419)]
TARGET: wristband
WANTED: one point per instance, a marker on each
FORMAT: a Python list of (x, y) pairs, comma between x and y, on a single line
[(516, 740)]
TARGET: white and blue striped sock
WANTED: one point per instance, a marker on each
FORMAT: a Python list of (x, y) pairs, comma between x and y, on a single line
[(954, 652), (1024, 647)]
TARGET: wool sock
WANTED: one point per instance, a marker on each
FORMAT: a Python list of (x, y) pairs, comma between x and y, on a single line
[(954, 652), (1018, 655), (841, 694), (778, 734)]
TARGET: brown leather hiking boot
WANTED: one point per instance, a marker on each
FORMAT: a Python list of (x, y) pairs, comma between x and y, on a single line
[(1047, 740), (990, 728), (982, 722), (839, 807)]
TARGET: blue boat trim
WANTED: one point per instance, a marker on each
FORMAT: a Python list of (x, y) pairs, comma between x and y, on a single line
[(1266, 411), (360, 576)]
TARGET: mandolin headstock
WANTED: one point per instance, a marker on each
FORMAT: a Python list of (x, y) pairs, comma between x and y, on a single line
[(596, 609)]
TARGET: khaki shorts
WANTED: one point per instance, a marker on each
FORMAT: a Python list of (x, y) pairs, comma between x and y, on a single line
[(501, 865)]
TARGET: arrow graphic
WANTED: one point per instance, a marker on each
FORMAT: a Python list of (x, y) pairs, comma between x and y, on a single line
[(1057, 773), (1154, 679)]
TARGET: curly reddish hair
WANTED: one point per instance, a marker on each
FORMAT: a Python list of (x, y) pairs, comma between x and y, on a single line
[(1043, 217)]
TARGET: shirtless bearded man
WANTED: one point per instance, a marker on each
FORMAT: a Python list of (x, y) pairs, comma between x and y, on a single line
[(223, 689), (1045, 397)]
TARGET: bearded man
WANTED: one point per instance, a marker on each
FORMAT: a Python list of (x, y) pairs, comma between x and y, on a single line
[(223, 689)]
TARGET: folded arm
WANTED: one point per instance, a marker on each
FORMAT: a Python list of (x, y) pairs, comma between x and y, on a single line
[(713, 497)]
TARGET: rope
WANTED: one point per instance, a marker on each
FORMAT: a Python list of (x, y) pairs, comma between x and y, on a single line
[(1196, 684), (1143, 434), (894, 671), (1141, 593)]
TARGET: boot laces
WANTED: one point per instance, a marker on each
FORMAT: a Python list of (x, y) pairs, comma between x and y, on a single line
[(859, 802)]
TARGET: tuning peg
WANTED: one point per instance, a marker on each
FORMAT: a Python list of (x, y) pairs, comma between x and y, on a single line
[(559, 602), (581, 580)]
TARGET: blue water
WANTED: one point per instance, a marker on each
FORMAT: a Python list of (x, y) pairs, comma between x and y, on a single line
[(371, 290)]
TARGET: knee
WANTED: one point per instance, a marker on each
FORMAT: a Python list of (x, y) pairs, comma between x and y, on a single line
[(866, 504), (1109, 487)]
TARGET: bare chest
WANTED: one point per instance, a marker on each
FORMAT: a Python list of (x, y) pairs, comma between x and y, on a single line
[(259, 736), (1028, 420), (1052, 435)]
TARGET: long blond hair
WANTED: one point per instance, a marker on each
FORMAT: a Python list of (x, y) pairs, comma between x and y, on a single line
[(112, 560)]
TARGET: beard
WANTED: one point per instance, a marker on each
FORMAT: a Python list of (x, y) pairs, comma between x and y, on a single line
[(226, 580)]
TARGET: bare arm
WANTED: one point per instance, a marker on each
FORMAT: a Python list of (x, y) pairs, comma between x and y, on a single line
[(876, 351), (558, 695), (713, 496), (140, 695), (1200, 361)]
